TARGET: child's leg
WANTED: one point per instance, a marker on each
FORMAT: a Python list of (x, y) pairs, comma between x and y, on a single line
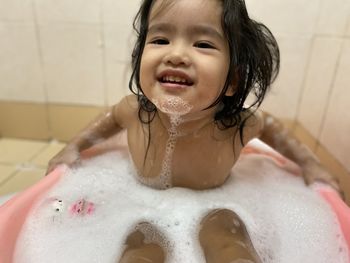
[(224, 238), (137, 251)]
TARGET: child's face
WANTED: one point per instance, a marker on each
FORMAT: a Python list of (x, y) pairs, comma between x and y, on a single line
[(186, 54)]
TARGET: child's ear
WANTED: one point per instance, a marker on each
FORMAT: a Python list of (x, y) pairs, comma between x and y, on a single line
[(230, 90), (233, 86)]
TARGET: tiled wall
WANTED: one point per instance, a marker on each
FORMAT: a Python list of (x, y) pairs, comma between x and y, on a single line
[(71, 52), (323, 108), (314, 84), (76, 53)]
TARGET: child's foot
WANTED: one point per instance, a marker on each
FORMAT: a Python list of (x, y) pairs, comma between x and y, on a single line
[(138, 251), (224, 238)]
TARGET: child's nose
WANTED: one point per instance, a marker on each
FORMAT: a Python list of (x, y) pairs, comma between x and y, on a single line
[(178, 55)]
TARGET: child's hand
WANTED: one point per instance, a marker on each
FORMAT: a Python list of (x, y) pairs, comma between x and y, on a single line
[(69, 156), (313, 172)]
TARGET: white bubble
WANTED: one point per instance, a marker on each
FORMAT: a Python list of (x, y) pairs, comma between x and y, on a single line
[(287, 222), (172, 105)]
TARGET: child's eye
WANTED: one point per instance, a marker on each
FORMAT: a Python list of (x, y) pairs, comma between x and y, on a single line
[(204, 45), (160, 41)]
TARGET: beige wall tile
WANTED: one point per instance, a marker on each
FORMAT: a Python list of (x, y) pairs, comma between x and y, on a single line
[(42, 159), (120, 12), (119, 42), (318, 82), (16, 10), (22, 180), (282, 100), (73, 64), (67, 121), (24, 120), (117, 82), (81, 11), (333, 17), (287, 17), (19, 151), (42, 122), (20, 71), (6, 171), (348, 31), (335, 134)]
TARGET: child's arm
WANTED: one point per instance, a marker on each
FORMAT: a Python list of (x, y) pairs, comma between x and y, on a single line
[(104, 126), (273, 133)]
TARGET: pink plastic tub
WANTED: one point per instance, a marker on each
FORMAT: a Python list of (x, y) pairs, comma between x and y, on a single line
[(14, 212)]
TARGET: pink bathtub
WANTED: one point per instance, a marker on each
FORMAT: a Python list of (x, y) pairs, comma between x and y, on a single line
[(13, 213)]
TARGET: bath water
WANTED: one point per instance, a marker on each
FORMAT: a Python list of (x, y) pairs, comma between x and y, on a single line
[(87, 216)]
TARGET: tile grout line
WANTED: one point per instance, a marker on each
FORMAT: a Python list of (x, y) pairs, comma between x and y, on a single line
[(102, 47), (330, 95), (42, 66), (22, 164), (309, 61), (305, 76), (47, 145), (344, 37), (18, 166), (7, 179)]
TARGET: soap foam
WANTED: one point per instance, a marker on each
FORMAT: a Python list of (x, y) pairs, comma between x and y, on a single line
[(172, 105), (163, 180), (287, 221), (175, 108)]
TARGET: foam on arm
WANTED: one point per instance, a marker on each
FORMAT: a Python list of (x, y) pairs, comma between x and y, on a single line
[(101, 128), (278, 137)]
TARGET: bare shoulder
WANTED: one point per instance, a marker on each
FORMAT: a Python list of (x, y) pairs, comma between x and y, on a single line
[(253, 124), (126, 111)]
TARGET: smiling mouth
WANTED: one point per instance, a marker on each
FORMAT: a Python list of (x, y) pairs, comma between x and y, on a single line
[(167, 79)]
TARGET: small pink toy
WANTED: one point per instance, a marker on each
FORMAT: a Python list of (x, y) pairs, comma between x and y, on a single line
[(82, 207), (56, 204)]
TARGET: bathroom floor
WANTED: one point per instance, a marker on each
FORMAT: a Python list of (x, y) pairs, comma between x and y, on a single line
[(24, 162)]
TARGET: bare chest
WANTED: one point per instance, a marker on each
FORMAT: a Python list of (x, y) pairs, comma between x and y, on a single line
[(198, 161)]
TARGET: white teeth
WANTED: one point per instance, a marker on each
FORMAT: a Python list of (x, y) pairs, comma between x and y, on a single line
[(174, 79)]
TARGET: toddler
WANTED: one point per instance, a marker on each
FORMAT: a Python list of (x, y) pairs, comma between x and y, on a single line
[(194, 64)]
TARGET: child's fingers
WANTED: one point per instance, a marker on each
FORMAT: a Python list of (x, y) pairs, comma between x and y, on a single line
[(329, 180), (49, 169), (333, 185), (76, 163), (69, 159)]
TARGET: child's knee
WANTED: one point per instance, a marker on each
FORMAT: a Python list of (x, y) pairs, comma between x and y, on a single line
[(139, 251), (224, 237)]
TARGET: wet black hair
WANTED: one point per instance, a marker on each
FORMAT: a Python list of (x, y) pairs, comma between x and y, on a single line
[(253, 65)]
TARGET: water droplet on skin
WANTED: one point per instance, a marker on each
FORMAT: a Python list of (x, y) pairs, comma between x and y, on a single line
[(269, 121), (236, 223)]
